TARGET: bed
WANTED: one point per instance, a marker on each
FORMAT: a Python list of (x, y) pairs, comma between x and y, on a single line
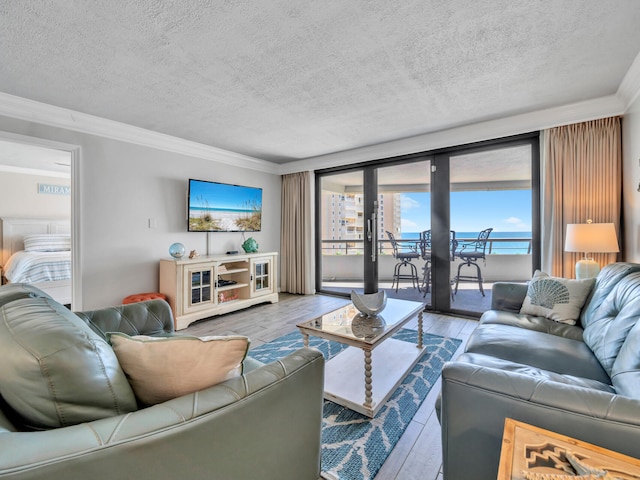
[(38, 251)]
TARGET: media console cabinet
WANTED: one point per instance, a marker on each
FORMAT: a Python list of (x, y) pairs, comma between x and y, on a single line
[(215, 284)]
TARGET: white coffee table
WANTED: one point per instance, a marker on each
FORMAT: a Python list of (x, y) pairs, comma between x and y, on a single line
[(364, 375)]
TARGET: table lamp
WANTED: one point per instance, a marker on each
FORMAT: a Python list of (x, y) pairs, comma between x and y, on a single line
[(590, 238)]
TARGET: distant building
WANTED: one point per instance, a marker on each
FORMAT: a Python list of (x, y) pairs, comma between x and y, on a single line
[(343, 219)]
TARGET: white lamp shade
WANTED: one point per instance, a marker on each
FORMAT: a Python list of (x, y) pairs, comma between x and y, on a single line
[(591, 238)]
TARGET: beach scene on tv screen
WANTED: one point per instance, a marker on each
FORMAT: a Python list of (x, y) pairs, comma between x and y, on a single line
[(218, 207)]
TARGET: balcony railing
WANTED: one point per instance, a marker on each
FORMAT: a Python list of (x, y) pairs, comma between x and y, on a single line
[(506, 262), (496, 246)]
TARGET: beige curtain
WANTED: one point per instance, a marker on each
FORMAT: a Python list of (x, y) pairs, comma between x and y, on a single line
[(296, 235), (581, 180)]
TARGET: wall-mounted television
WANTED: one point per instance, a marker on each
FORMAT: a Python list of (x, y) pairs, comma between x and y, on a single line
[(222, 207)]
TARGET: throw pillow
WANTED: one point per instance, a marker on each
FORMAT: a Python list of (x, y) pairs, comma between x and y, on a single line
[(162, 368), (56, 371), (558, 299), (47, 243)]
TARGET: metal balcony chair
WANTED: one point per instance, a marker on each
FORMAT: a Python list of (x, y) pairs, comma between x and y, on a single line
[(425, 252), (404, 260), (470, 254)]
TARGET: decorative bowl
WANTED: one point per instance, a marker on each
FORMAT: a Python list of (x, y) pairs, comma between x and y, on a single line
[(369, 303)]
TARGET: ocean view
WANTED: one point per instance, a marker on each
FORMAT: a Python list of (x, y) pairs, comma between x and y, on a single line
[(198, 211), (499, 247)]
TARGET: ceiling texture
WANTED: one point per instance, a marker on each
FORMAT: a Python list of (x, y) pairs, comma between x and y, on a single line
[(283, 80)]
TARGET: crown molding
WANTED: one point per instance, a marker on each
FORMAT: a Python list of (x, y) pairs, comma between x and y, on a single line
[(630, 86), (523, 123), (32, 111)]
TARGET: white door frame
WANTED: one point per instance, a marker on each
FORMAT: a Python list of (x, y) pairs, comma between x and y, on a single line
[(75, 152)]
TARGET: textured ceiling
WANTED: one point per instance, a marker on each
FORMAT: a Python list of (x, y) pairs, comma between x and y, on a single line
[(283, 80)]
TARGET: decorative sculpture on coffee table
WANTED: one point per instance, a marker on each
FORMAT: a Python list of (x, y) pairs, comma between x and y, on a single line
[(370, 304)]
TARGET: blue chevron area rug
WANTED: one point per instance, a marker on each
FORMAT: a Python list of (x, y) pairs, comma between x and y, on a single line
[(354, 446)]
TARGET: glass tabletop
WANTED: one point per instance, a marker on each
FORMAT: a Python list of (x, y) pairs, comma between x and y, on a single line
[(347, 322)]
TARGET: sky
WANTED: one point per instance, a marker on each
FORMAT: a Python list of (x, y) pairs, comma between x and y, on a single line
[(503, 210), (221, 195)]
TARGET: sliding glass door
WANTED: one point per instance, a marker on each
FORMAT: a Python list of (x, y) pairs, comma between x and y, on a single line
[(461, 219), (492, 209), (360, 211), (341, 260), (404, 219)]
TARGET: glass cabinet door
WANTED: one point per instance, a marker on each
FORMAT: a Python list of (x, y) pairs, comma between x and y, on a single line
[(261, 276), (199, 281)]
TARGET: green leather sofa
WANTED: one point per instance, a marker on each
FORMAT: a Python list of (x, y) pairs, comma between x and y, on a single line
[(265, 424), (579, 380)]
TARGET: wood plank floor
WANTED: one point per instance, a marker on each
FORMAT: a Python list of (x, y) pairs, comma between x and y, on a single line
[(418, 453)]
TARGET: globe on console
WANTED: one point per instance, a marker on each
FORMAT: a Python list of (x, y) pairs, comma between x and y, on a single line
[(177, 250)]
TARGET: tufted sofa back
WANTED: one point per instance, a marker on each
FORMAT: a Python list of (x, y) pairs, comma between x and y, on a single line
[(56, 371), (606, 281), (611, 326), (153, 317)]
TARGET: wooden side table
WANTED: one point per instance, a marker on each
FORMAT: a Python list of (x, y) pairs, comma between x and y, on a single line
[(532, 453)]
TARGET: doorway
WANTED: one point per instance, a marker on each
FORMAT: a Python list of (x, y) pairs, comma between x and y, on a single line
[(42, 175), (446, 198)]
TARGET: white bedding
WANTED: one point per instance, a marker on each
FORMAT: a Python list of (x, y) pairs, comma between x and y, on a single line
[(34, 267)]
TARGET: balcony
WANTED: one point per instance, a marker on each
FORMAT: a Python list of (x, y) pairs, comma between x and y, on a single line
[(342, 270)]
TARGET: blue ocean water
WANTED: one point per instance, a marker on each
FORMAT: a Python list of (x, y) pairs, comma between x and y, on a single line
[(197, 211), (497, 247)]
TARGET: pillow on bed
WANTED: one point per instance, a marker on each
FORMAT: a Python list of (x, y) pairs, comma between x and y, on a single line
[(47, 243)]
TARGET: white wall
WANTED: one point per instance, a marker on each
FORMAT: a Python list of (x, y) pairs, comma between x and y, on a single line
[(20, 197), (631, 179), (122, 186)]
